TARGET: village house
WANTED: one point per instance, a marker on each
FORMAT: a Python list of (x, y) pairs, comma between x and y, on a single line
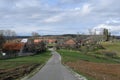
[(12, 49), (70, 43), (37, 40), (23, 48), (51, 41)]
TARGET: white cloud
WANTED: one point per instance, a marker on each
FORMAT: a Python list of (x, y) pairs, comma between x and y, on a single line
[(69, 14), (86, 9), (80, 14), (34, 16), (54, 19), (115, 21), (112, 28), (77, 8), (102, 26), (29, 28), (107, 3), (25, 3)]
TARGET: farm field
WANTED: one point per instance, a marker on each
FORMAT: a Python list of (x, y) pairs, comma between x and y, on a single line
[(112, 46), (91, 67), (17, 67)]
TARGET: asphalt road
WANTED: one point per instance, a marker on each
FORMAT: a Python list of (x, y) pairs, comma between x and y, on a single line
[(54, 70)]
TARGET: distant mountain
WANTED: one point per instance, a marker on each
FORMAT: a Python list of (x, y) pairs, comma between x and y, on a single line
[(9, 37)]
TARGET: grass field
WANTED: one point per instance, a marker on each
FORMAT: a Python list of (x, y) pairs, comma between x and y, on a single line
[(112, 46), (15, 62), (11, 69), (90, 66)]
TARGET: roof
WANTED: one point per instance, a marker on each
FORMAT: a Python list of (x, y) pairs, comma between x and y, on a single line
[(24, 40), (37, 40), (51, 40), (13, 46), (70, 42)]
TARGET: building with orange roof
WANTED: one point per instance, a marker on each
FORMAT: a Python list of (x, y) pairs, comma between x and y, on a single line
[(51, 41), (38, 40), (13, 46), (70, 43)]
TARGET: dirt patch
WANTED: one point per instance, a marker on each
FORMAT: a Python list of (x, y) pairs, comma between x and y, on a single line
[(15, 73), (99, 71)]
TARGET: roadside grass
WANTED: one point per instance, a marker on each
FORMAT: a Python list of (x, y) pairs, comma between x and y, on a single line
[(112, 46), (92, 67), (69, 55), (15, 62)]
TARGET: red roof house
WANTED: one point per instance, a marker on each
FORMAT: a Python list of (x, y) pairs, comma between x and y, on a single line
[(38, 40), (50, 41), (70, 42)]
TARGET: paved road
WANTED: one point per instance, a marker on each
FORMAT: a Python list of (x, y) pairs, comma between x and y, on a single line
[(54, 70)]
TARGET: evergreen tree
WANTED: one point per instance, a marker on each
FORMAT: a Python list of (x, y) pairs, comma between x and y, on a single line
[(2, 40), (106, 34)]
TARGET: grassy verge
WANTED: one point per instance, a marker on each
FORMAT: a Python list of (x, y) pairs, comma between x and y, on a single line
[(69, 55), (22, 65), (92, 67)]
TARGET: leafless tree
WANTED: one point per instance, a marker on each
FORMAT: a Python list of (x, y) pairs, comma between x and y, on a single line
[(9, 33), (35, 34)]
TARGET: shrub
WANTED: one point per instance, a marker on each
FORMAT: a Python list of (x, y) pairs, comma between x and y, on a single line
[(110, 54), (106, 53), (100, 46), (35, 47)]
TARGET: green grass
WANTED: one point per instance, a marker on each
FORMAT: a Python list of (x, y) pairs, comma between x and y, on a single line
[(112, 46), (51, 45), (15, 62), (76, 55)]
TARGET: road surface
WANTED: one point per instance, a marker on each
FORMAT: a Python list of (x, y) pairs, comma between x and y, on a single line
[(54, 70)]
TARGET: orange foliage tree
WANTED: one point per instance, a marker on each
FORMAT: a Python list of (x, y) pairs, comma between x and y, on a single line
[(12, 46)]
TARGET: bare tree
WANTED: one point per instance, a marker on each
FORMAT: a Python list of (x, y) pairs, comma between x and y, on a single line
[(9, 33), (35, 34), (1, 32)]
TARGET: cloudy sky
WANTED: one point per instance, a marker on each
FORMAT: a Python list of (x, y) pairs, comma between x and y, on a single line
[(59, 16)]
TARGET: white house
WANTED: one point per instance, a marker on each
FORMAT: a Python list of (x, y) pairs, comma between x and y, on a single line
[(24, 40)]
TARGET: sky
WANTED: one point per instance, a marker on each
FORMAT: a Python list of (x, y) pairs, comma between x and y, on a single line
[(59, 16)]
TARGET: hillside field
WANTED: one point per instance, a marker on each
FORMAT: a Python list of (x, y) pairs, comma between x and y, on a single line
[(91, 67), (112, 46)]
